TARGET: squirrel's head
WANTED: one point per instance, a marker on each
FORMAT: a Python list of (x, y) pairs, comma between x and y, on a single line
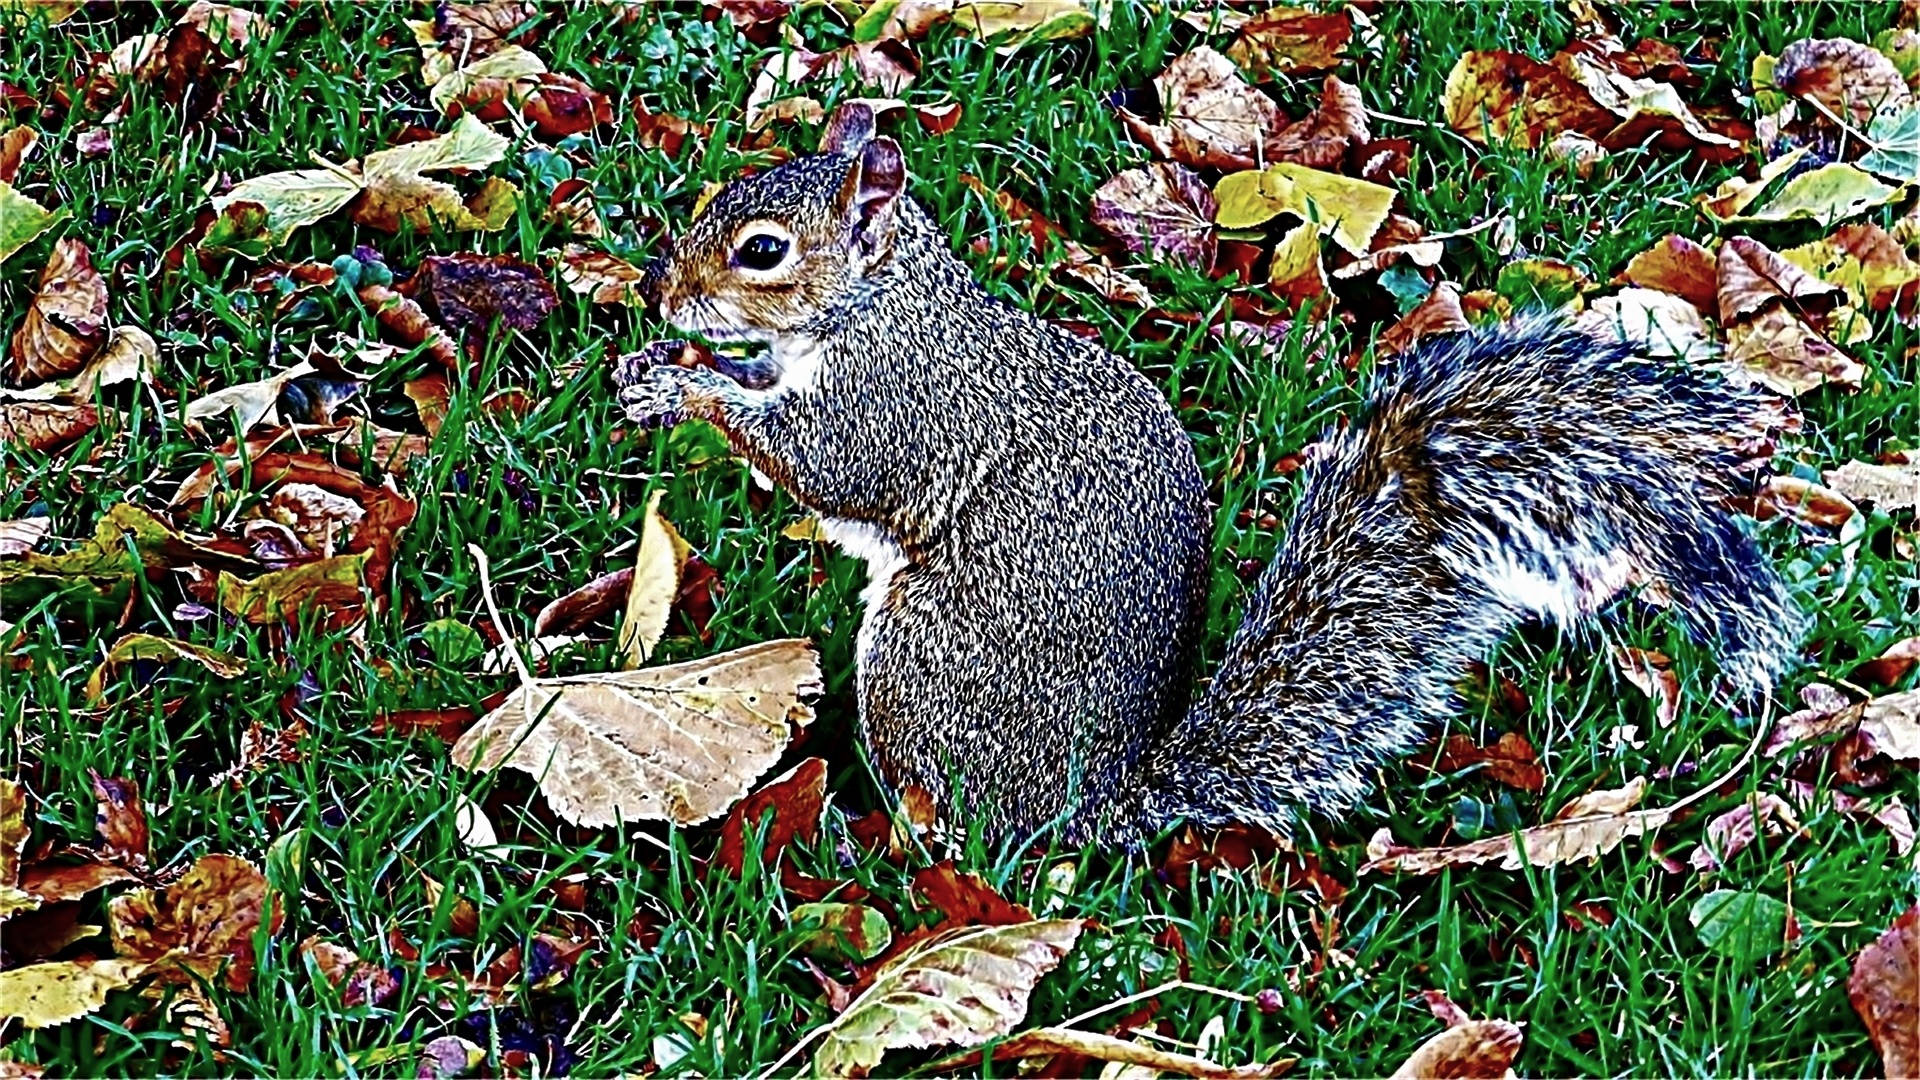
[(772, 251)]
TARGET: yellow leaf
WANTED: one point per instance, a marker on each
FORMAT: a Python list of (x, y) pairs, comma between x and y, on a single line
[(294, 198), (398, 195), (1351, 210), (510, 63), (43, 995), (22, 219), (656, 581)]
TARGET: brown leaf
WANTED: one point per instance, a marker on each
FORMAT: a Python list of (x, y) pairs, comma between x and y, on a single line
[(408, 324), (204, 923), (1753, 277), (603, 278), (796, 799), (1581, 835), (468, 291), (573, 612), (1499, 97), (67, 321), (965, 899), (70, 881), (1324, 137), (1850, 79), (1510, 760), (1439, 313), (44, 425), (20, 536), (1885, 991), (1680, 266), (1652, 672), (1730, 833), (1137, 1057), (1825, 712), (1478, 1048), (1291, 41), (359, 982), (1803, 500), (1212, 118), (1892, 665), (1163, 208), (1781, 352), (121, 820), (15, 144)]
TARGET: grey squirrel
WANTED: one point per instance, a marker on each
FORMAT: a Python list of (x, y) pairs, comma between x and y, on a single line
[(1036, 527)]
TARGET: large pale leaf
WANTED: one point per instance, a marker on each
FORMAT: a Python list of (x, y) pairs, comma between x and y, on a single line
[(294, 198), (1892, 488), (22, 219), (964, 986), (679, 743), (43, 995), (1352, 210)]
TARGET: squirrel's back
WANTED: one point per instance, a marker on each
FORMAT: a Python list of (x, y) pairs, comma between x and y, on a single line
[(1513, 472)]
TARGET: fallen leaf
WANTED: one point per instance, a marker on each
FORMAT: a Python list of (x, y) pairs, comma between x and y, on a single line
[(1439, 313), (677, 743), (46, 995), (1324, 137), (1478, 1048), (1803, 500), (1510, 760), (331, 590), (1730, 833), (1210, 117), (44, 425), (840, 932), (130, 353), (1541, 283), (1726, 202), (1504, 97), (1009, 25), (202, 924), (1885, 990), (795, 800), (1891, 488), (1753, 276), (292, 199), (1891, 725), (1139, 1059), (1829, 194), (1867, 262), (18, 537), (1891, 666), (1652, 673), (1781, 352), (132, 648), (15, 144), (1162, 208), (1648, 113), (67, 321), (1740, 924), (1291, 41), (1849, 79), (651, 589), (1656, 323), (244, 406), (1351, 210), (963, 986), (1679, 266), (466, 292), (1583, 836), (22, 219), (1296, 275), (398, 194), (359, 982), (405, 321)]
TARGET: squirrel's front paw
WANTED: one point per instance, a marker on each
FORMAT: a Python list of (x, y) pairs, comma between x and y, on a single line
[(632, 367), (654, 397)]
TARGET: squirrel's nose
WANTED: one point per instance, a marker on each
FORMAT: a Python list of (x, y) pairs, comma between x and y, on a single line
[(652, 273)]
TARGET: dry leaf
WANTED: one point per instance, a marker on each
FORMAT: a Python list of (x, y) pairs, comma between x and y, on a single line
[(67, 321), (1142, 1059), (1891, 725), (1351, 210), (15, 144), (245, 405), (397, 194), (1730, 833), (132, 648), (1891, 488), (202, 924), (1679, 266), (1477, 1048), (1322, 139), (650, 593), (44, 995), (468, 291), (120, 820), (794, 800), (44, 425), (1296, 274), (678, 743), (1501, 97), (1210, 117), (1781, 352), (1439, 313), (1803, 500), (1885, 991), (963, 986), (1888, 668), (18, 537), (603, 278), (1574, 836), (1753, 277), (1162, 208), (1510, 760), (1290, 41), (1847, 78), (1656, 323)]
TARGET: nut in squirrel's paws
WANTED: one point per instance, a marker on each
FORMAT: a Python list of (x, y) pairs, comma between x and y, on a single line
[(632, 367)]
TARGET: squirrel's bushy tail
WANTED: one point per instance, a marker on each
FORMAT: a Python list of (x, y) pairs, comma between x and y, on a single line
[(1494, 476)]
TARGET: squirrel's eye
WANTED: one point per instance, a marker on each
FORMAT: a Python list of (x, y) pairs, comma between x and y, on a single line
[(761, 251)]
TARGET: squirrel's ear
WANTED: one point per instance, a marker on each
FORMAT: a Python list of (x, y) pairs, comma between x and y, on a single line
[(867, 197), (849, 129)]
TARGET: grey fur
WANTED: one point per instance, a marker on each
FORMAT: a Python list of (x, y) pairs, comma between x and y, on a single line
[(1037, 640)]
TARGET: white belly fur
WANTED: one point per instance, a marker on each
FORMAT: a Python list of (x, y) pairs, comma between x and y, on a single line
[(884, 560)]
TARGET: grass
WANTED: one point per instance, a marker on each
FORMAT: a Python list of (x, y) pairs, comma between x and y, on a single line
[(555, 501)]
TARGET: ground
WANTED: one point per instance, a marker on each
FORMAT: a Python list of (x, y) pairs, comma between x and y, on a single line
[(555, 500)]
